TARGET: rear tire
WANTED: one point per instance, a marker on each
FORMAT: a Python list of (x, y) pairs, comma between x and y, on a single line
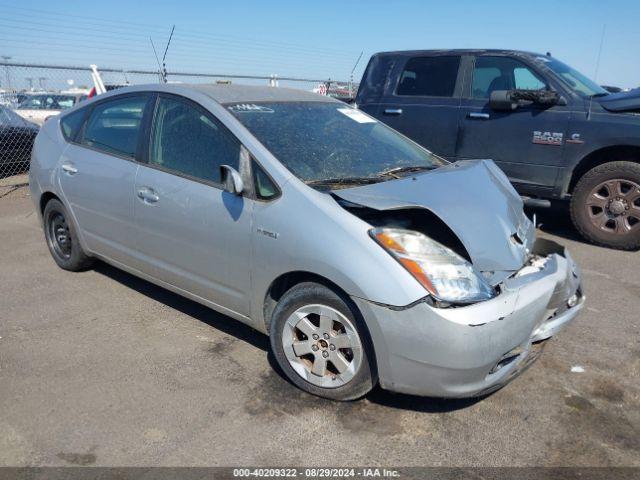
[(321, 343), (605, 206), (62, 238)]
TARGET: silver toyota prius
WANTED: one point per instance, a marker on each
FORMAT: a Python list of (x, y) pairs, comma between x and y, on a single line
[(365, 258)]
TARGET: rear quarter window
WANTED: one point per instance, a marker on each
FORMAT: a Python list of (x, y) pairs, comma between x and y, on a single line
[(71, 124), (375, 79)]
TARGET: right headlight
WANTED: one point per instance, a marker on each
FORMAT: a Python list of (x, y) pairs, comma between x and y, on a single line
[(442, 272)]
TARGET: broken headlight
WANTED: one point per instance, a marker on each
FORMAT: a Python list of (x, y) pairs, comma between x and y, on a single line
[(442, 272)]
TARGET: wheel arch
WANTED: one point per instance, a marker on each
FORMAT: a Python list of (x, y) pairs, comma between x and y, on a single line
[(286, 281), (611, 153), (45, 198)]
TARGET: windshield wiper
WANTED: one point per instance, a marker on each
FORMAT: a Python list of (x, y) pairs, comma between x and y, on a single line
[(342, 181), (408, 169)]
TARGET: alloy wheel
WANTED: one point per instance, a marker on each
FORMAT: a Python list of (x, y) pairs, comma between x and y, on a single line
[(322, 346), (613, 206)]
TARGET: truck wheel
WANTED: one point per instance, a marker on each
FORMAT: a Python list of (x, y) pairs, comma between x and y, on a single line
[(321, 343), (605, 207)]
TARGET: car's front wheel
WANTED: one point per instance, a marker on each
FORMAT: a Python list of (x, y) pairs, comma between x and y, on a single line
[(605, 206), (62, 238), (321, 344)]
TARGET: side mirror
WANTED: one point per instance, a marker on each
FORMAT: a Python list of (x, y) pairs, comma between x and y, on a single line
[(509, 100), (501, 101), (231, 180)]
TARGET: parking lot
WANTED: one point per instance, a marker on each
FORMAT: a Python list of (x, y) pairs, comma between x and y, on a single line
[(101, 368)]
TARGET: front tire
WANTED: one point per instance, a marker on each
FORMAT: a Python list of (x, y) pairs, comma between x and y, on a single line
[(605, 206), (321, 343), (62, 239)]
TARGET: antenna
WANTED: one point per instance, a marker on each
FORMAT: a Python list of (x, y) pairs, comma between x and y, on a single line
[(164, 65), (157, 59), (595, 75), (351, 75), (162, 69)]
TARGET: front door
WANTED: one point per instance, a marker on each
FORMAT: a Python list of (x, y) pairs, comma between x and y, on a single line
[(97, 176), (192, 234), (527, 143), (424, 103)]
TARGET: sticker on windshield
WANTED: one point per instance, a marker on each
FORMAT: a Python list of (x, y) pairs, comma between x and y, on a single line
[(356, 115), (249, 108)]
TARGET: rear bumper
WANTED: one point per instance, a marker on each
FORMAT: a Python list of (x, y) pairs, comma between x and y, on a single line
[(472, 350)]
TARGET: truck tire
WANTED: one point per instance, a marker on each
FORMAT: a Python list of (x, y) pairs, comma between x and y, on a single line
[(605, 206)]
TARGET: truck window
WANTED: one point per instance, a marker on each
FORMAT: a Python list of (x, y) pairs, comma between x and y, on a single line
[(429, 76), (502, 73)]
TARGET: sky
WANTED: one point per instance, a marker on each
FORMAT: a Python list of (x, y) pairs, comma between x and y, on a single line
[(316, 40)]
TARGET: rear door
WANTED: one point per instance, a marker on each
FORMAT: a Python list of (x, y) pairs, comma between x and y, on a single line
[(190, 232), (527, 143), (423, 101), (97, 174)]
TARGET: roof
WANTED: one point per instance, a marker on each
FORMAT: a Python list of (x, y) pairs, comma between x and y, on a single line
[(461, 51), (246, 93)]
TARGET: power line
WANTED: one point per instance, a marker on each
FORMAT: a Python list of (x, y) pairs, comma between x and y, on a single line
[(193, 33)]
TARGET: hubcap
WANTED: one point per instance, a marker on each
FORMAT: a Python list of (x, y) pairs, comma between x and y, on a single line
[(614, 206), (58, 235), (322, 346)]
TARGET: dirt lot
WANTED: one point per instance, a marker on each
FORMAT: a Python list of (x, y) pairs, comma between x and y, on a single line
[(101, 368)]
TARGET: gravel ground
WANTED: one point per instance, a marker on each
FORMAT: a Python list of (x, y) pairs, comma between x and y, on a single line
[(100, 368)]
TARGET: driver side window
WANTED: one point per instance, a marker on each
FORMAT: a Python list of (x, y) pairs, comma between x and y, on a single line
[(502, 73), (189, 141)]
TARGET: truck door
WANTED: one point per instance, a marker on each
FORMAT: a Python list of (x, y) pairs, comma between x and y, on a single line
[(422, 100), (527, 143)]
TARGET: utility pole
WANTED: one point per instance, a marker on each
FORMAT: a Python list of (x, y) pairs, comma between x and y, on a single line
[(5, 59), (42, 81), (30, 82)]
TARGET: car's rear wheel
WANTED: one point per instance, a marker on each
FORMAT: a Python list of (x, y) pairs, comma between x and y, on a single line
[(62, 238), (605, 206), (321, 344)]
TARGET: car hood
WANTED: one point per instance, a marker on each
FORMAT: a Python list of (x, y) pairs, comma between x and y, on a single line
[(621, 102), (474, 198)]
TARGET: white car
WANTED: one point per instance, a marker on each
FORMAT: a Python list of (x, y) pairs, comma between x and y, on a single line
[(38, 108)]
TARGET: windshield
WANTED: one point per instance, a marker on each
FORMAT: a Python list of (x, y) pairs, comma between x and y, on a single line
[(47, 102), (320, 141), (575, 80)]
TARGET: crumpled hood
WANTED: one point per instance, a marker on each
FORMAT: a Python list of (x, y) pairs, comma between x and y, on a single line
[(474, 198), (621, 102)]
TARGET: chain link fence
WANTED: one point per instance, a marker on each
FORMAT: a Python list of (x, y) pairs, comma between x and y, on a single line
[(30, 94)]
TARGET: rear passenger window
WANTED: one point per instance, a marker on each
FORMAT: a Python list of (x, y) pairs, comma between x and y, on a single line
[(114, 126), (190, 141), (429, 76), (72, 123)]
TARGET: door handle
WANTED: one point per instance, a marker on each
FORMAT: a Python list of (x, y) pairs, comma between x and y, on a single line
[(69, 168), (393, 111), (478, 115), (148, 195)]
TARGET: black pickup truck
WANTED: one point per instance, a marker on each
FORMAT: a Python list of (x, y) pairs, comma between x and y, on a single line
[(555, 133)]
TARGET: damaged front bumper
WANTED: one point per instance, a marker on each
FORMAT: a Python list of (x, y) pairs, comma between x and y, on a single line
[(472, 350)]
